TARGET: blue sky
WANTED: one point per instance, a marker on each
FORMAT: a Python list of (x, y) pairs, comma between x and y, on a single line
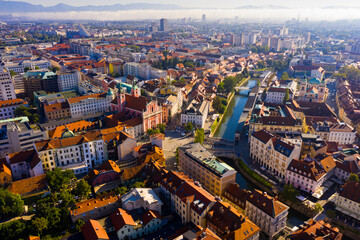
[(206, 3)]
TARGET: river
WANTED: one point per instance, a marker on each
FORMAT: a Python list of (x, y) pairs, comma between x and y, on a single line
[(230, 121)]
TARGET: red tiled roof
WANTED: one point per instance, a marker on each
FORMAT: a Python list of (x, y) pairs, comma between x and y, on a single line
[(92, 230), (120, 218), (267, 204)]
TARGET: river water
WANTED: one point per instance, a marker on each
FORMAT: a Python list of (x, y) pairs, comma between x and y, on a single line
[(230, 123)]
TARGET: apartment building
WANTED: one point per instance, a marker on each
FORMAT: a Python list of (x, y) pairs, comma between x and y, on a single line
[(131, 226), (277, 94), (17, 135), (186, 198), (273, 152), (266, 212), (313, 230), (341, 133), (143, 71), (228, 223), (89, 104), (310, 174), (68, 80), (347, 201), (57, 111), (99, 207), (36, 80), (204, 167), (196, 113), (77, 153), (275, 118), (20, 66), (7, 107), (7, 89)]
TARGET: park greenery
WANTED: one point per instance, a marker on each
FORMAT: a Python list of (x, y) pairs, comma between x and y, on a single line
[(189, 127), (11, 205), (27, 112), (167, 63)]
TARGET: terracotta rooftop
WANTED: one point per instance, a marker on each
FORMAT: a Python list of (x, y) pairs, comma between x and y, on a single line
[(316, 230), (351, 190), (88, 205), (267, 204), (74, 127), (56, 107), (92, 230), (81, 98), (29, 186), (120, 218), (12, 102)]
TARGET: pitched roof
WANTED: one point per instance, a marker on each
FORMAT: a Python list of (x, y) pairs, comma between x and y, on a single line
[(120, 218), (137, 103), (92, 230), (227, 218), (29, 156), (29, 186), (56, 107), (74, 127), (351, 190), (267, 204), (81, 98), (12, 102), (263, 135), (316, 230), (88, 205)]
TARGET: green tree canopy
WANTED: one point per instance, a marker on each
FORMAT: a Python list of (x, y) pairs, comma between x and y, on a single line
[(13, 230), (285, 76), (121, 190), (78, 224), (138, 185), (30, 113), (39, 224), (229, 84), (290, 193), (286, 97), (58, 179), (354, 177), (199, 136), (318, 207), (82, 189), (11, 205), (189, 126)]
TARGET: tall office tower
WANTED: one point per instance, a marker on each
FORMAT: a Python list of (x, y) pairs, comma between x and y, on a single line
[(7, 90), (204, 18), (164, 25)]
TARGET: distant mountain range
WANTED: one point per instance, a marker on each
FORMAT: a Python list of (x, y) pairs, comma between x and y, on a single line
[(16, 6)]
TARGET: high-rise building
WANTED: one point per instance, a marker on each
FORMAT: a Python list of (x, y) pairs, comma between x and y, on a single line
[(7, 90), (164, 25), (68, 80), (204, 18)]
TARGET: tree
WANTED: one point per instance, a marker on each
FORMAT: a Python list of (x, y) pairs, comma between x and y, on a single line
[(286, 97), (39, 224), (138, 185), (216, 104), (66, 198), (354, 177), (199, 136), (189, 127), (229, 84), (239, 77), (82, 189), (245, 73), (161, 127), (290, 193), (11, 205), (12, 73), (285, 76), (36, 67), (26, 69), (78, 224), (13, 230), (318, 208), (30, 113), (59, 179), (47, 209), (224, 101), (121, 190)]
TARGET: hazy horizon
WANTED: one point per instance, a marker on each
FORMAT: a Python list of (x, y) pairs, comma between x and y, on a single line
[(202, 3)]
